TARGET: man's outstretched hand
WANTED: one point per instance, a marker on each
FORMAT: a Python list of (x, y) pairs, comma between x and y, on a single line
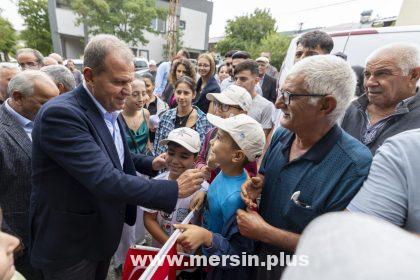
[(189, 182)]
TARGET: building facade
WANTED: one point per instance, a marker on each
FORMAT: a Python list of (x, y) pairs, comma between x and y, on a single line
[(193, 16)]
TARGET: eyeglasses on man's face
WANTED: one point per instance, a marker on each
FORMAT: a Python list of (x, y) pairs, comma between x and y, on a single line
[(223, 107), (287, 95)]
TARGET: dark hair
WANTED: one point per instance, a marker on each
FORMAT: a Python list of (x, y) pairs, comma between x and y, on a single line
[(184, 52), (315, 38), (249, 64), (188, 67), (220, 68), (148, 76), (176, 145), (230, 53), (241, 54), (186, 80)]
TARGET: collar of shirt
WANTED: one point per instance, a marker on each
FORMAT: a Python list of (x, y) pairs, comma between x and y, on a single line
[(24, 122), (110, 116), (321, 148)]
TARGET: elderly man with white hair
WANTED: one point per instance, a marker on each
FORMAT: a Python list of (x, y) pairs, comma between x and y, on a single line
[(311, 166), (28, 90), (390, 104), (61, 76), (7, 71)]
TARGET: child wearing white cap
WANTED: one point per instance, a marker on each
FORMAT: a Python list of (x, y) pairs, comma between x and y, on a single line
[(240, 139), (183, 147)]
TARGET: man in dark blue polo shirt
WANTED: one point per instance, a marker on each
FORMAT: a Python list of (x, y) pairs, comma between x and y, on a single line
[(311, 166)]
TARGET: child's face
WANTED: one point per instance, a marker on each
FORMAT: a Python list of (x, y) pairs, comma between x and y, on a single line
[(223, 148), (8, 244), (178, 159)]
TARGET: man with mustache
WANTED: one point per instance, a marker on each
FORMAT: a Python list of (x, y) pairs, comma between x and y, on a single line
[(391, 104)]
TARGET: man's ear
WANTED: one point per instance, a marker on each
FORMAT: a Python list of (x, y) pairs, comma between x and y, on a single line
[(415, 74), (88, 75), (328, 104), (61, 88), (17, 97)]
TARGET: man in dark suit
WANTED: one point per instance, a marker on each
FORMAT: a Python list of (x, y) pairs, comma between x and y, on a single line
[(28, 91), (268, 84), (84, 177)]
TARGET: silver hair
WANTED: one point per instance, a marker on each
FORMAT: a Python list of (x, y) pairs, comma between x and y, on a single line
[(24, 82), (100, 46), (36, 53), (328, 74), (406, 55), (60, 75), (8, 65)]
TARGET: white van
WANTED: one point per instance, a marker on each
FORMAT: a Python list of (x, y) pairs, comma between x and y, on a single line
[(359, 43)]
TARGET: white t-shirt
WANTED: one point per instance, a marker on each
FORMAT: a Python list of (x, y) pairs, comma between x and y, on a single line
[(262, 111), (181, 211)]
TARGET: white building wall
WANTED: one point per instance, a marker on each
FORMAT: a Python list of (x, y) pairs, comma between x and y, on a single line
[(66, 23), (194, 35)]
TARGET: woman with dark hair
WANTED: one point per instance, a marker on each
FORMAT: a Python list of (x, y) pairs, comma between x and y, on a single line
[(207, 82), (180, 67), (184, 115), (222, 73)]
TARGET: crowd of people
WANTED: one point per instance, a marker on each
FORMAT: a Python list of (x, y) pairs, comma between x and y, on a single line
[(90, 162)]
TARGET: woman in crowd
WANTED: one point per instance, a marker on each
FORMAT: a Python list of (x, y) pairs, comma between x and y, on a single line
[(222, 73), (136, 119), (207, 82), (184, 115), (180, 67), (154, 105)]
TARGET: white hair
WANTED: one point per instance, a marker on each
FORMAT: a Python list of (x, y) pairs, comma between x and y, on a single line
[(60, 75), (328, 74), (8, 65), (406, 55), (24, 82)]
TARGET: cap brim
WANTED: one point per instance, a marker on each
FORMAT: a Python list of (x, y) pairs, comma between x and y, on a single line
[(180, 142), (217, 121), (222, 98)]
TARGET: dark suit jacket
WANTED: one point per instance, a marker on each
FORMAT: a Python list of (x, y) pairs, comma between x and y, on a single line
[(201, 100), (81, 193), (15, 175), (269, 88)]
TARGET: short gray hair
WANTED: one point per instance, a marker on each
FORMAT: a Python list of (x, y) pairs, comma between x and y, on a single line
[(60, 74), (406, 55), (328, 74), (36, 53), (100, 46), (8, 65), (24, 82)]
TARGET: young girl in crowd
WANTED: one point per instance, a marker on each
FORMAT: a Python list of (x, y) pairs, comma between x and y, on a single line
[(136, 119), (222, 73), (180, 67), (184, 115), (8, 245), (207, 82), (240, 139), (183, 146)]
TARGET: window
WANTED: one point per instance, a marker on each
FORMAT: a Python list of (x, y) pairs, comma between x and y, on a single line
[(158, 25), (182, 24)]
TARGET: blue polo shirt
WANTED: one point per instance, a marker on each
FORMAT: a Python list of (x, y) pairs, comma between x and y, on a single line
[(327, 176)]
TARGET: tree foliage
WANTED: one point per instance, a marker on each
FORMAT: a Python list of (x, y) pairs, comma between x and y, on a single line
[(7, 37), (126, 19), (255, 33), (37, 34)]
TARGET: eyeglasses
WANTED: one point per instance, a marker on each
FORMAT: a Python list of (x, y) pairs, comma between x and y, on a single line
[(29, 65), (224, 107), (287, 95), (204, 65)]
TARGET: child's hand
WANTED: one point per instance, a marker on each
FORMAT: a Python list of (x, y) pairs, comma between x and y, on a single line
[(194, 236), (197, 200)]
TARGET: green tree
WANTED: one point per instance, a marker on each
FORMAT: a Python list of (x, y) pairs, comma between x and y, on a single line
[(246, 32), (126, 19), (277, 45), (37, 34), (7, 38)]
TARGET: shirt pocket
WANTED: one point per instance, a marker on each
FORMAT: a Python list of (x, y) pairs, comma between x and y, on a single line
[(297, 217)]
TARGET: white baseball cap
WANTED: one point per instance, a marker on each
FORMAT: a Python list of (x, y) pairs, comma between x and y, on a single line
[(263, 59), (184, 136), (233, 95), (245, 131)]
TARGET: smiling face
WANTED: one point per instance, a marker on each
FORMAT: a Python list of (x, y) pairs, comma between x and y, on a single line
[(203, 67), (178, 159), (112, 86), (299, 115), (223, 73), (138, 97), (385, 83)]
